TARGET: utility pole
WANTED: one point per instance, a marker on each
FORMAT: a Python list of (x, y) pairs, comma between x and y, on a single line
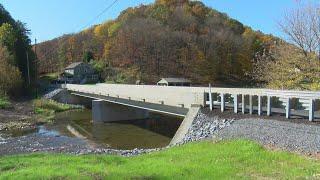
[(36, 66), (35, 47), (28, 70)]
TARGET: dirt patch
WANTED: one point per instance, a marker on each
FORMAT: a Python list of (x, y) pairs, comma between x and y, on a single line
[(19, 116)]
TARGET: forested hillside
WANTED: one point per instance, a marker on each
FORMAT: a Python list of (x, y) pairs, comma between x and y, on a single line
[(15, 53), (170, 38)]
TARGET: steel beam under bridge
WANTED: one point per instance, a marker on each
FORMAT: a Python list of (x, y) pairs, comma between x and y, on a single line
[(160, 108)]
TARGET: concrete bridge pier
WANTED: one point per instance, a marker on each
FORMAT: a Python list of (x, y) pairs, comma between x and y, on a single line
[(103, 111)]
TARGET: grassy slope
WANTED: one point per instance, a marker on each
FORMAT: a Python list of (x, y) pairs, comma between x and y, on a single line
[(233, 159), (51, 105), (47, 108), (49, 77)]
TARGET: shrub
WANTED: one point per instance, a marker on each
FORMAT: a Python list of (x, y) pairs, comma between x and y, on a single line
[(4, 102), (289, 68), (46, 109), (43, 104)]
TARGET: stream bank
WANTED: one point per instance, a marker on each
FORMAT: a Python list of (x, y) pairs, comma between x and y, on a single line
[(275, 132), (20, 115), (48, 139), (74, 132)]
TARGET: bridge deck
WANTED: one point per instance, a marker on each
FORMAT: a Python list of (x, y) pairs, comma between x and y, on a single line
[(166, 109)]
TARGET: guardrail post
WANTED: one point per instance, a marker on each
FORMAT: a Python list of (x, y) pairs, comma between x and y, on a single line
[(250, 104), (268, 106), (210, 98), (288, 111), (222, 102), (311, 110), (259, 105), (204, 99), (243, 104), (235, 103)]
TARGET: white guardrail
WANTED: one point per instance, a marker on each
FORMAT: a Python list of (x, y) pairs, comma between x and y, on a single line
[(186, 96)]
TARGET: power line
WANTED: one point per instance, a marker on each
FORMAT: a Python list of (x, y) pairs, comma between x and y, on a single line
[(99, 15), (88, 24)]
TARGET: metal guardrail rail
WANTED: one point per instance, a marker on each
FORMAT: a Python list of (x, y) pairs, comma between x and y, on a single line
[(308, 98)]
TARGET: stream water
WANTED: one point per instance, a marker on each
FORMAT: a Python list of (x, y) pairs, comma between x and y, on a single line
[(156, 131)]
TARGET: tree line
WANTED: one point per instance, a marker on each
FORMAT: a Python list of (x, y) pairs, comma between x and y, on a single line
[(17, 59), (177, 38), (182, 38), (294, 65)]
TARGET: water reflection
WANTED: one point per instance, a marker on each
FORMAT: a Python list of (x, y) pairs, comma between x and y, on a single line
[(157, 131)]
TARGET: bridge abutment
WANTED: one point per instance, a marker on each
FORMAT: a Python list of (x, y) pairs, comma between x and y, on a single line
[(67, 98), (186, 124), (103, 111)]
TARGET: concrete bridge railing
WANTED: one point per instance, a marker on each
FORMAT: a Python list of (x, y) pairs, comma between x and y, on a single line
[(186, 96), (171, 96)]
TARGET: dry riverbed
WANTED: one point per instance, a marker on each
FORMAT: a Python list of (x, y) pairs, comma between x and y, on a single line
[(20, 115)]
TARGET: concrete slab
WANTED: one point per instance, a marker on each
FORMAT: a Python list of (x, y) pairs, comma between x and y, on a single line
[(186, 124)]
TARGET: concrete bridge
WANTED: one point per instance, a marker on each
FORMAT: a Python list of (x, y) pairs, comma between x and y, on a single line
[(168, 100), (116, 102), (178, 100)]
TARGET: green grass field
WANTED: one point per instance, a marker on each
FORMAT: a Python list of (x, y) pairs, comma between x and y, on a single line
[(238, 159)]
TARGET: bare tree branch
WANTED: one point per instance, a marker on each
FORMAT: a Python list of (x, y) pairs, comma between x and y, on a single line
[(302, 27)]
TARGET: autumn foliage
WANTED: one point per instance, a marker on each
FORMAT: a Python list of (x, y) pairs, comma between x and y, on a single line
[(14, 48), (176, 38)]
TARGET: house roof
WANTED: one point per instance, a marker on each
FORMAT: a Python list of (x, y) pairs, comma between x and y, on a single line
[(174, 80), (73, 65)]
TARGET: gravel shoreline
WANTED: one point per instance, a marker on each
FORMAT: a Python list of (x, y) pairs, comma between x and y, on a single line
[(204, 127), (280, 134), (59, 144)]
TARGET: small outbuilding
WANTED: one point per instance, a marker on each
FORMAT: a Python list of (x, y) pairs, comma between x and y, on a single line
[(174, 82), (79, 73)]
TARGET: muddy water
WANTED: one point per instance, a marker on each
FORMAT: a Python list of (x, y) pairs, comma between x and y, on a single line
[(156, 131)]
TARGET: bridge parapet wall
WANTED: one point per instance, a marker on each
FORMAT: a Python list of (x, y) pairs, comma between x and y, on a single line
[(172, 96)]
